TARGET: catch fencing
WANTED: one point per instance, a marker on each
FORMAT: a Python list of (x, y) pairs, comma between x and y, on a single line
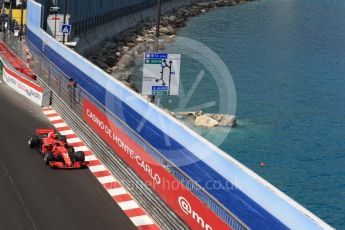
[(72, 95)]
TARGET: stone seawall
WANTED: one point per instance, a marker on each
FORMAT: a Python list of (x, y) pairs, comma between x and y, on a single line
[(117, 54)]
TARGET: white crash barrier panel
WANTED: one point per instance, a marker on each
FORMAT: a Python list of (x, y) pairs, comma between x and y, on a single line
[(26, 87)]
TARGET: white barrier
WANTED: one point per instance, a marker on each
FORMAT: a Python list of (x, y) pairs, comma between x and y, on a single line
[(25, 87)]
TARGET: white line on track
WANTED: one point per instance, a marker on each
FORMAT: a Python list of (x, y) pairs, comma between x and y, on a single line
[(73, 140), (54, 118), (97, 168), (106, 179), (127, 205), (90, 158), (67, 132), (141, 220), (60, 125), (81, 148), (117, 191), (48, 112)]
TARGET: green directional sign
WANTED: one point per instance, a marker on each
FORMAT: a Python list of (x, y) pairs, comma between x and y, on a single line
[(159, 93), (153, 61), (161, 74)]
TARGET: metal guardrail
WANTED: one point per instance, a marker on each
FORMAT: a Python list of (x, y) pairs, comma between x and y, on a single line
[(67, 101), (58, 82), (70, 108), (162, 215), (61, 101), (13, 43)]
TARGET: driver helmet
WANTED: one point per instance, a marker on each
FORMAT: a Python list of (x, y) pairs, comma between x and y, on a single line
[(52, 135)]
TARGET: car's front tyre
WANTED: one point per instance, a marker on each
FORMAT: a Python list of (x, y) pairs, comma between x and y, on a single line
[(80, 156), (48, 158), (62, 138), (33, 141)]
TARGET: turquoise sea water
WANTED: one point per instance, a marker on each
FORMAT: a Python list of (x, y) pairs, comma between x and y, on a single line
[(287, 60)]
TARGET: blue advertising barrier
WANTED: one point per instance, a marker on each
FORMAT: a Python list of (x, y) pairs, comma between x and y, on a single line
[(252, 199)]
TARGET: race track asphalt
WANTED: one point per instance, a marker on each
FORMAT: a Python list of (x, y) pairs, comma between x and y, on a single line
[(34, 196)]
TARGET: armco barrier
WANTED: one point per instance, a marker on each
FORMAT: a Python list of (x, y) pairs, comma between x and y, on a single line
[(180, 199), (58, 83), (257, 203), (24, 86), (157, 209), (15, 61)]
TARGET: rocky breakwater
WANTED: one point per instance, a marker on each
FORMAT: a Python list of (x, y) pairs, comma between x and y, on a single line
[(117, 56), (208, 120)]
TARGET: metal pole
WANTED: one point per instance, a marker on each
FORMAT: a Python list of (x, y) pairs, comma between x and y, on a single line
[(3, 26), (3, 20), (21, 19), (64, 19), (55, 24), (9, 18), (159, 9)]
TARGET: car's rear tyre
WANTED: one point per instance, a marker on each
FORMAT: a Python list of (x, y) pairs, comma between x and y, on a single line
[(48, 158), (71, 150), (80, 156), (62, 138), (33, 141)]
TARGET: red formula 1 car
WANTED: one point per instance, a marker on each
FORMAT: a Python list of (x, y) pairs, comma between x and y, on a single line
[(55, 150)]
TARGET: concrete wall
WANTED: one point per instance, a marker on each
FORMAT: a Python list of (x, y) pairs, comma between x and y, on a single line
[(93, 21), (98, 34)]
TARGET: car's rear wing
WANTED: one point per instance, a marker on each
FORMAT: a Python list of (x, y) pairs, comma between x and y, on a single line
[(44, 131)]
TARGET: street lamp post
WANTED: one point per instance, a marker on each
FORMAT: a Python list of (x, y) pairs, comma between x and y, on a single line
[(159, 9), (3, 14), (9, 18), (55, 24), (21, 19), (3, 26), (54, 9), (64, 20)]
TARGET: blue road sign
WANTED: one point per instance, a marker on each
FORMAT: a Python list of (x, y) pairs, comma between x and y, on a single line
[(156, 55), (66, 28), (159, 88)]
